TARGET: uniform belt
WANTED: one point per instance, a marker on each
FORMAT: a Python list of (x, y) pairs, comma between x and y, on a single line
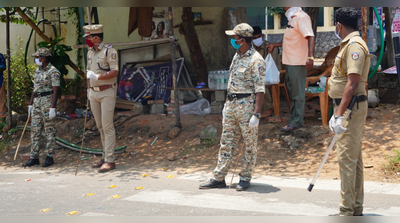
[(41, 94), (360, 98), (103, 87), (232, 97)]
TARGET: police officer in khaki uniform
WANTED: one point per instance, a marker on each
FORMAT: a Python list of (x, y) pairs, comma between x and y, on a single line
[(242, 108), (261, 46), (349, 76), (102, 72)]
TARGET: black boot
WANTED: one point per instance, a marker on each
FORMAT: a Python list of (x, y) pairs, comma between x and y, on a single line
[(213, 184), (243, 185), (31, 162), (48, 162)]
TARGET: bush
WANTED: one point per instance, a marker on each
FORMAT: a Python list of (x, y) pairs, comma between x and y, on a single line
[(21, 84), (393, 165)]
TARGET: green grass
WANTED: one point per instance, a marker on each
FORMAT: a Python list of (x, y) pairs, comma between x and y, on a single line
[(393, 165), (5, 144)]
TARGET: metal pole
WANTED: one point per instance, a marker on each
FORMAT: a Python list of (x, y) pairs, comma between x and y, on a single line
[(174, 74), (8, 67), (266, 23), (89, 16)]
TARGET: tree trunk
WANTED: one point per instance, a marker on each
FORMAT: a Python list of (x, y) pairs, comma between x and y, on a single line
[(364, 23), (389, 38), (8, 68), (174, 73), (313, 13), (45, 38), (196, 55)]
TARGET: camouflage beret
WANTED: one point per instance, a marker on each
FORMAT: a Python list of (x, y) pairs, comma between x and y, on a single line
[(243, 29), (42, 52)]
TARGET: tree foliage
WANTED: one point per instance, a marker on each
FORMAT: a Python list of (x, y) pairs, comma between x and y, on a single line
[(15, 18)]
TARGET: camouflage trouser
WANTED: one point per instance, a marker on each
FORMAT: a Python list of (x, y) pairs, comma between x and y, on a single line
[(236, 117), (40, 117)]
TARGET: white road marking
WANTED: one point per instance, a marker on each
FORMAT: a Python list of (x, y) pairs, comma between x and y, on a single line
[(96, 214), (229, 202), (21, 173)]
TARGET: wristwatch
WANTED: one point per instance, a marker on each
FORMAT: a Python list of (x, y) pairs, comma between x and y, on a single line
[(310, 58), (257, 115)]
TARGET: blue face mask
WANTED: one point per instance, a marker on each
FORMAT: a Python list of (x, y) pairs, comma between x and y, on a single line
[(235, 45)]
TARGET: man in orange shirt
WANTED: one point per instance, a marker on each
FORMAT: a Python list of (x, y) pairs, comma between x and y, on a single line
[(297, 55)]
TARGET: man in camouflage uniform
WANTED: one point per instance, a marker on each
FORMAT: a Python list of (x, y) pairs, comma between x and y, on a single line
[(349, 75), (242, 108), (42, 107), (102, 72)]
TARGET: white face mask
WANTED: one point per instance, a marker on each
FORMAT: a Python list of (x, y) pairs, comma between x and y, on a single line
[(290, 12), (258, 41), (337, 33), (37, 61)]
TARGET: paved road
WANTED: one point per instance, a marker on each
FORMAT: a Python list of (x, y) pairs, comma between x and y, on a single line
[(27, 191)]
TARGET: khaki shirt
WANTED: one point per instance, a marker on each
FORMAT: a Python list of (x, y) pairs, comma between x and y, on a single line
[(247, 73), (264, 53), (100, 61), (45, 78), (355, 59)]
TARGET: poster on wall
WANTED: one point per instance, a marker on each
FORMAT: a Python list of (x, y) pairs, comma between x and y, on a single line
[(381, 16), (159, 27), (396, 22), (135, 83)]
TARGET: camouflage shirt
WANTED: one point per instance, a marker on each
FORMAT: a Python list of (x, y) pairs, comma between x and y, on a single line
[(45, 78), (247, 73)]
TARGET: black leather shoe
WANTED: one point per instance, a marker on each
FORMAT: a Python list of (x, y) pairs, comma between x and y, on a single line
[(243, 185), (31, 162), (358, 214), (48, 162), (213, 184), (333, 215)]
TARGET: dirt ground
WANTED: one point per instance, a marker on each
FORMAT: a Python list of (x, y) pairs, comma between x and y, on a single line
[(275, 156)]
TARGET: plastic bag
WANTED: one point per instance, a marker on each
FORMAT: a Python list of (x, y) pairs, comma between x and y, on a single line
[(200, 107), (322, 82), (271, 71)]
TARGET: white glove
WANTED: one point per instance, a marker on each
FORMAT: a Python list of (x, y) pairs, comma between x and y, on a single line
[(30, 107), (335, 124), (88, 92), (91, 75), (52, 113), (254, 121)]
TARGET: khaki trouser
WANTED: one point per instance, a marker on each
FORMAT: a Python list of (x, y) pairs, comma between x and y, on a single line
[(102, 104), (3, 112), (349, 156)]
